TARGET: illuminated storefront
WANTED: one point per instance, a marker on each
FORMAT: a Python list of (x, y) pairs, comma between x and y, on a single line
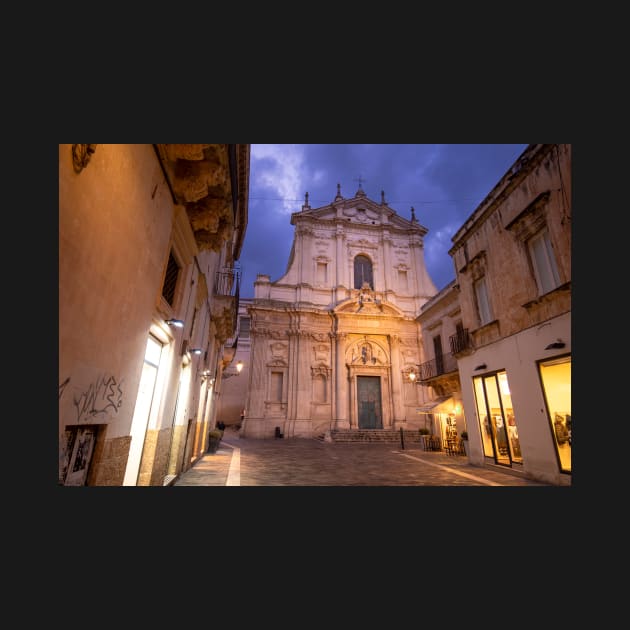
[(555, 376), (498, 424)]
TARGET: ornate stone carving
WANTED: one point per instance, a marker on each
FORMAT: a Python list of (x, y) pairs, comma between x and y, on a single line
[(278, 350), (322, 352)]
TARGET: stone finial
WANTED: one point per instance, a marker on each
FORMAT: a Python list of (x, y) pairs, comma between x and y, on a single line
[(306, 206), (360, 192), (338, 196), (382, 197), (413, 214)]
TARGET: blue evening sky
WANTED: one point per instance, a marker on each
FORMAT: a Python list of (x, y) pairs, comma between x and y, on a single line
[(443, 182)]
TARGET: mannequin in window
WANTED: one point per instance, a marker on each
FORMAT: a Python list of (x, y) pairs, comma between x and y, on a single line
[(562, 435)]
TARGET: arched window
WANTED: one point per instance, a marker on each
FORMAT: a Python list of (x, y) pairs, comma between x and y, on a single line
[(363, 272)]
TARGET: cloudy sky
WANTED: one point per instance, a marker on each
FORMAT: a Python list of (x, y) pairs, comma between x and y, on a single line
[(443, 182)]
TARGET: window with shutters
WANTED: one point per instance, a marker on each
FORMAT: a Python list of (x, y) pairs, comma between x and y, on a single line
[(170, 279)]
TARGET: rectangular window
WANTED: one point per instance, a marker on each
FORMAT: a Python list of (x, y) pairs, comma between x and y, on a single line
[(322, 275), (543, 262), (243, 328), (483, 306), (276, 387)]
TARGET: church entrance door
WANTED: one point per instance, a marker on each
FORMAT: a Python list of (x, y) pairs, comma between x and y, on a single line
[(369, 398)]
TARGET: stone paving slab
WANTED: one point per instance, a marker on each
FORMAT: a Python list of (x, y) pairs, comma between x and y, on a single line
[(310, 462)]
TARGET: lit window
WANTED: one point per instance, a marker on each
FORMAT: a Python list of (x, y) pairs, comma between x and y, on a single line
[(556, 380)]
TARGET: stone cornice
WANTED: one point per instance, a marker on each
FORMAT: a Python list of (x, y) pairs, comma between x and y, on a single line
[(202, 178)]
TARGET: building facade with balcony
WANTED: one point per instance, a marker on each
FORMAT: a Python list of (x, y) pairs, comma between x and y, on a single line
[(234, 387), (149, 241), (333, 341), (443, 337), (512, 258)]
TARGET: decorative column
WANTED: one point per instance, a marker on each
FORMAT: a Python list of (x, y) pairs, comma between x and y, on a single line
[(386, 258), (396, 376), (340, 262), (293, 381), (341, 384), (302, 424), (333, 384)]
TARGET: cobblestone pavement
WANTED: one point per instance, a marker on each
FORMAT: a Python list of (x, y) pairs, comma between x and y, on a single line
[(310, 462)]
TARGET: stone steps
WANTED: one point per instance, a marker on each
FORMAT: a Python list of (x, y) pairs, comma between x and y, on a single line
[(375, 435)]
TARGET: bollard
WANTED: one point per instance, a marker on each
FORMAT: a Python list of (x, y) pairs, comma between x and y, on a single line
[(402, 439)]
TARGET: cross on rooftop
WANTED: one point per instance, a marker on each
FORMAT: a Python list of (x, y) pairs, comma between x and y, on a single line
[(360, 180)]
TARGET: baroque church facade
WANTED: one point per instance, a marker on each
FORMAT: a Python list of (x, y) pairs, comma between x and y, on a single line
[(334, 340)]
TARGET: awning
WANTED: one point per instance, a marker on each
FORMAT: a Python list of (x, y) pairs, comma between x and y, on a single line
[(430, 406)]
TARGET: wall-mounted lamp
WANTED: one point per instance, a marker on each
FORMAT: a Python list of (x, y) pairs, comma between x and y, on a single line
[(412, 376), (555, 344), (195, 351), (227, 374), (482, 366), (178, 323)]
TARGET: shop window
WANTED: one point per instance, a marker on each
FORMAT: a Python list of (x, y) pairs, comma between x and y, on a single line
[(146, 408), (555, 376), (499, 431)]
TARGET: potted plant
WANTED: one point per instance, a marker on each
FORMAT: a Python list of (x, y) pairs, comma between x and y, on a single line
[(214, 439), (427, 442)]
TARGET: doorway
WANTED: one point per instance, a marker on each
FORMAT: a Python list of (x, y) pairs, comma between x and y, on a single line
[(369, 401)]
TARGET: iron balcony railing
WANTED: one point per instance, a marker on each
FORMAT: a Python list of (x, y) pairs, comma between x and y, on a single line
[(435, 367), (227, 284), (460, 341)]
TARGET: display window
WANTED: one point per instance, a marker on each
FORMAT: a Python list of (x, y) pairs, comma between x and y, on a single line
[(499, 430), (555, 376)]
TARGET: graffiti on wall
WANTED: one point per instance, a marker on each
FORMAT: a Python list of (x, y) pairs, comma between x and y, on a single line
[(103, 396), (62, 387)]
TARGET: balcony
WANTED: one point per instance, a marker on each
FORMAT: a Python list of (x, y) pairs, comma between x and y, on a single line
[(438, 366), (225, 302), (461, 343)]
